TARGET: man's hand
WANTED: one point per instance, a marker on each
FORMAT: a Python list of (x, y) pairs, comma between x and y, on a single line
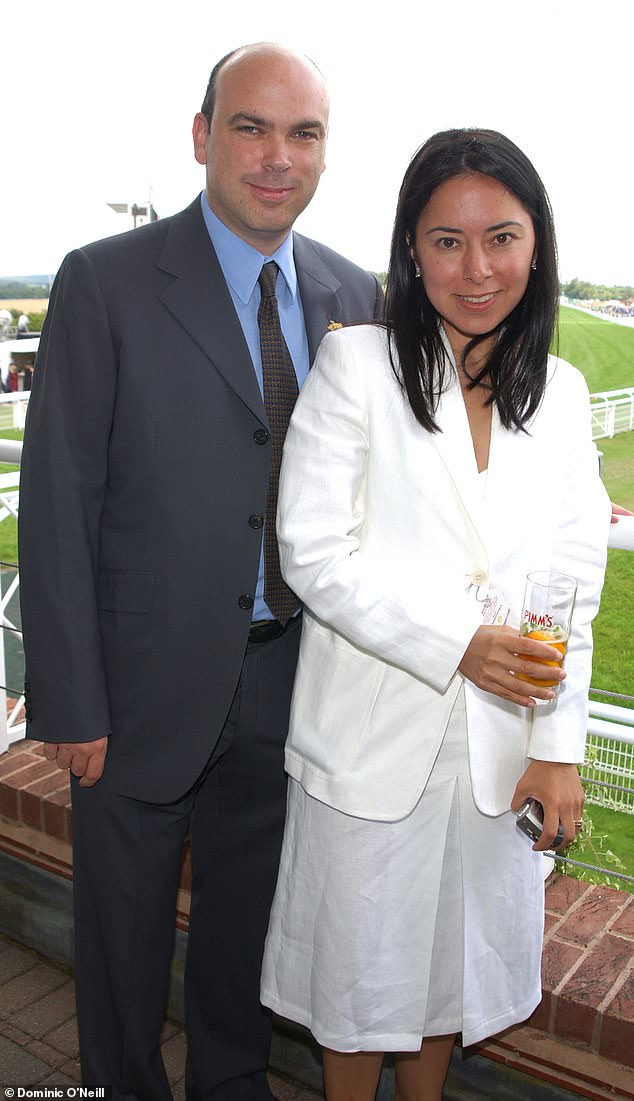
[(618, 510), (84, 759), (557, 787), (496, 655)]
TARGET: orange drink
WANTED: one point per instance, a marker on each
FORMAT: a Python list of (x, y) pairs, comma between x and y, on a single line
[(549, 601), (551, 635)]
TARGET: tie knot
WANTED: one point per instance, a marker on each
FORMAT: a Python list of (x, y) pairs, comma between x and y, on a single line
[(267, 279)]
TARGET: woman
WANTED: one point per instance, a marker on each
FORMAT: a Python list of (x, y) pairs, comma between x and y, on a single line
[(430, 464)]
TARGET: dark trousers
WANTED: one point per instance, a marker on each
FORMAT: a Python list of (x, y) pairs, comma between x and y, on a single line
[(126, 869)]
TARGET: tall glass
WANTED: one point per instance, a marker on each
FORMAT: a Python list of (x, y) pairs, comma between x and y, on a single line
[(549, 600)]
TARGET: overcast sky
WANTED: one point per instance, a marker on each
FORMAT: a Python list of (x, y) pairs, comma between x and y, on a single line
[(97, 100)]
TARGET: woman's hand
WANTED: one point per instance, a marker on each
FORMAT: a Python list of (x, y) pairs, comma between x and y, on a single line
[(558, 788), (618, 510), (496, 655)]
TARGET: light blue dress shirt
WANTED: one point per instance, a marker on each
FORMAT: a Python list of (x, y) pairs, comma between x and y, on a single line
[(241, 265)]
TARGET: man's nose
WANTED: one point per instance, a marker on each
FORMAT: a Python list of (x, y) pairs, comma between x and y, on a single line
[(276, 153)]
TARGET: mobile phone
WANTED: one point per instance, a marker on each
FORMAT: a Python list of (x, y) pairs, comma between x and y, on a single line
[(530, 820)]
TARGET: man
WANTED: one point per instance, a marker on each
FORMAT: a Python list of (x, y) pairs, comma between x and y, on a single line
[(156, 671)]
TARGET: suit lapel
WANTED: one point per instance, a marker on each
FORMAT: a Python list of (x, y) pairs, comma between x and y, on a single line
[(455, 447), (319, 290), (200, 300)]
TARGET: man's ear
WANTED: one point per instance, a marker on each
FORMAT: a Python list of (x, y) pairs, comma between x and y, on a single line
[(200, 133)]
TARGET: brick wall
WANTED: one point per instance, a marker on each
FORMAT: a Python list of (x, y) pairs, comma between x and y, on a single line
[(588, 961)]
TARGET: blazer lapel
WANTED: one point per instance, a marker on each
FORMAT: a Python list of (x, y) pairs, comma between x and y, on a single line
[(319, 290), (200, 300), (455, 448)]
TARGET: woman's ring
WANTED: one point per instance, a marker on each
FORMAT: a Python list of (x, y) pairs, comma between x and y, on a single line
[(578, 823)]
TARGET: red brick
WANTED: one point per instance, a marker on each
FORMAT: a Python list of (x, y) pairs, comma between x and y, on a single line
[(56, 780), (589, 919), (38, 769), (8, 802), (557, 960), (598, 972), (56, 820), (563, 892), (61, 796), (11, 763), (622, 1004), (617, 1041), (30, 810), (550, 921), (624, 924), (574, 1021), (541, 1017)]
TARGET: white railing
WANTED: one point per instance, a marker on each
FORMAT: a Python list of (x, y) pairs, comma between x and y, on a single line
[(612, 412), (12, 724), (13, 410)]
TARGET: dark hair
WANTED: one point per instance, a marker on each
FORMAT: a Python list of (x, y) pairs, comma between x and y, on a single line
[(516, 367), (209, 102)]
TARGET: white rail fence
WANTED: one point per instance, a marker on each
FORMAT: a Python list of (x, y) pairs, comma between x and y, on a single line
[(610, 757), (612, 412)]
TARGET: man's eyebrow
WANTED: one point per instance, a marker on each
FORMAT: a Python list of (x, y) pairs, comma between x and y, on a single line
[(309, 124), (266, 124), (252, 120)]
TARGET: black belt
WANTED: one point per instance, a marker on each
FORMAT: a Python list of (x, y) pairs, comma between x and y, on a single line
[(266, 629)]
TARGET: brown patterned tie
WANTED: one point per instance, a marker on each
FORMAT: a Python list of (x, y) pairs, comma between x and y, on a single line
[(280, 395)]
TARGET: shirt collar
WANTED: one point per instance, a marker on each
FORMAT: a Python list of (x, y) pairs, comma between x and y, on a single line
[(240, 262)]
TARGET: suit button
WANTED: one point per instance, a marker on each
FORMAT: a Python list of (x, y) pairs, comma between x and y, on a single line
[(478, 577), (245, 602), (261, 435), (256, 521)]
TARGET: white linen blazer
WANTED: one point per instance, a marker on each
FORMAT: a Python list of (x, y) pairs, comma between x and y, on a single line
[(388, 535)]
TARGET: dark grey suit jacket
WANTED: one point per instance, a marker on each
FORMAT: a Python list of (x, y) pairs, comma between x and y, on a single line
[(145, 455)]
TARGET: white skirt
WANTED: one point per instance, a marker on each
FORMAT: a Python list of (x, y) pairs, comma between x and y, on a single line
[(382, 933)]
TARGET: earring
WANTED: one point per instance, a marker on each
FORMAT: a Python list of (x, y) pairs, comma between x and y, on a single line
[(534, 264), (416, 270)]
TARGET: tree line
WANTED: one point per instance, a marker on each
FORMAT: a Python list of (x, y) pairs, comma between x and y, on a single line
[(579, 288)]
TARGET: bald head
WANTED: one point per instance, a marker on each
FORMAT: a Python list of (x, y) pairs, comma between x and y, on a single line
[(264, 50)]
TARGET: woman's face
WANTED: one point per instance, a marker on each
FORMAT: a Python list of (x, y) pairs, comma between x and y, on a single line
[(474, 244)]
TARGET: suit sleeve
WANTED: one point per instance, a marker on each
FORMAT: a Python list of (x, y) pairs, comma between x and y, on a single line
[(63, 477), (580, 549)]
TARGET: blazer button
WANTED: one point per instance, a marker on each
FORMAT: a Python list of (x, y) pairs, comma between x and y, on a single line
[(478, 577), (256, 521), (261, 435), (245, 602)]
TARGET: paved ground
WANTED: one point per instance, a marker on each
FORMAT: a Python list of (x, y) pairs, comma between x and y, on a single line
[(38, 1030)]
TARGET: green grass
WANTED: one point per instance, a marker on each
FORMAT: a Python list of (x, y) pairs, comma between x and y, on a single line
[(9, 527), (613, 667), (602, 350), (607, 841)]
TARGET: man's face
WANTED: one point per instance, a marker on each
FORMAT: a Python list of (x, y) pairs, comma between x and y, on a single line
[(264, 149)]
